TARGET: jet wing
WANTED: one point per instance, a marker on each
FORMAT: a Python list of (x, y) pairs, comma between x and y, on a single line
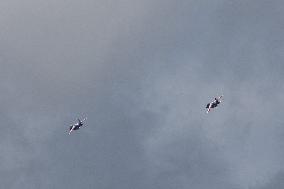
[(71, 129), (209, 105)]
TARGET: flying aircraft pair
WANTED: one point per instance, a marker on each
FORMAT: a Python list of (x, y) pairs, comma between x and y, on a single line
[(209, 106)]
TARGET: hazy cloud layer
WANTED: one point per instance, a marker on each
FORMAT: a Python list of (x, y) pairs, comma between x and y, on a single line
[(142, 72)]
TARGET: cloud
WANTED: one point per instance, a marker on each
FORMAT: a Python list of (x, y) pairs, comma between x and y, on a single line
[(142, 73)]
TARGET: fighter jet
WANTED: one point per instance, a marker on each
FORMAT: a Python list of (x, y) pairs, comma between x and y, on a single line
[(77, 125), (214, 103)]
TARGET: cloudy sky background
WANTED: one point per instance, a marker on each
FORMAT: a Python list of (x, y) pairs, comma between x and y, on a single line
[(142, 72)]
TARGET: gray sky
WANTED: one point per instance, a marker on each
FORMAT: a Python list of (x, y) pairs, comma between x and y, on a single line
[(142, 72)]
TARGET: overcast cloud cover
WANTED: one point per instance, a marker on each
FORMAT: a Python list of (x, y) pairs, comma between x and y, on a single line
[(142, 72)]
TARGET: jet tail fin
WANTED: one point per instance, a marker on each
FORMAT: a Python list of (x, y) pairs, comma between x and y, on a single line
[(84, 119)]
